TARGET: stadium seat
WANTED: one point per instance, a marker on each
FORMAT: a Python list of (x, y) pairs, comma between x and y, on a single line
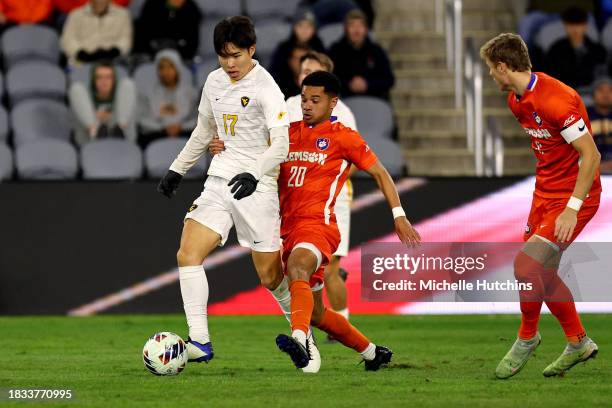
[(6, 162), (206, 48), (283, 9), (220, 9), (1, 85), (28, 42), (4, 124), (159, 156), (35, 79), (145, 76), (48, 159), (606, 36), (374, 116), (40, 119), (331, 33), (111, 159), (206, 67), (390, 155), (135, 8), (529, 25), (554, 31), (82, 73), (269, 35)]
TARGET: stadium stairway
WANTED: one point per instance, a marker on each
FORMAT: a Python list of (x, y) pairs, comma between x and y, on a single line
[(432, 132)]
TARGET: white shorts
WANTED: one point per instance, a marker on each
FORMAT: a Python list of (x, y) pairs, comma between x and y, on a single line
[(256, 217), (342, 210)]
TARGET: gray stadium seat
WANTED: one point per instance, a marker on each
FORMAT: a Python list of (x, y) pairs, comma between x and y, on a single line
[(206, 67), (34, 79), (6, 162), (554, 31), (283, 9), (82, 73), (390, 155), (206, 47), (1, 85), (4, 124), (374, 116), (48, 159), (606, 36), (269, 35), (111, 159), (135, 8), (27, 42), (331, 33), (159, 156), (220, 9), (40, 119), (145, 76)]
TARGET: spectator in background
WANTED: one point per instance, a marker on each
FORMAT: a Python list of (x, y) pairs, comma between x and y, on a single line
[(330, 11), (285, 64), (105, 107), (168, 24), (97, 31), (167, 108), (66, 6), (362, 65), (575, 59), (600, 115), (24, 12)]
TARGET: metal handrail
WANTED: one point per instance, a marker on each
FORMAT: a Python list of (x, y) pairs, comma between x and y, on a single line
[(454, 42), (494, 149), (473, 104)]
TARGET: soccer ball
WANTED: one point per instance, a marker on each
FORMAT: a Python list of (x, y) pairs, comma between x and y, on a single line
[(165, 353)]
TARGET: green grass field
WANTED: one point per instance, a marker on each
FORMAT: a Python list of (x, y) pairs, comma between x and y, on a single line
[(439, 361)]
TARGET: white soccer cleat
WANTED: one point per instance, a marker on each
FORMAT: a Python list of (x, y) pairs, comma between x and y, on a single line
[(315, 357)]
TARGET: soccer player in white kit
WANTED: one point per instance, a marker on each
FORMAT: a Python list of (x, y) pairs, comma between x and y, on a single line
[(241, 104), (336, 289)]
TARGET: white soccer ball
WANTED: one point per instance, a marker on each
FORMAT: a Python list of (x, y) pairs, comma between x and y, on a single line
[(165, 353)]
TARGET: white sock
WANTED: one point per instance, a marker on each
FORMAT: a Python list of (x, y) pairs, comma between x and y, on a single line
[(194, 289), (300, 336), (369, 353), (344, 312), (283, 297)]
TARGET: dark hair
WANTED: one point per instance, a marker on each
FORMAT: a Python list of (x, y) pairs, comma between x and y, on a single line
[(321, 58), (329, 82), (238, 30), (574, 15)]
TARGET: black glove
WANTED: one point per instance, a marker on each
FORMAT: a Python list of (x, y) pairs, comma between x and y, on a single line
[(244, 185), (169, 183), (84, 56)]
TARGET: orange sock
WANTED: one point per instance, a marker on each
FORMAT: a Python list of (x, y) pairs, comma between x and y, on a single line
[(340, 329), (528, 270), (560, 301), (302, 304)]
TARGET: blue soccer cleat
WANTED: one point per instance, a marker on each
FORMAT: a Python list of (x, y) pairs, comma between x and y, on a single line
[(298, 353), (199, 353)]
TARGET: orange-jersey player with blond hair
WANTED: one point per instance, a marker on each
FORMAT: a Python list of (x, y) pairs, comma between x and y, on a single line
[(565, 199)]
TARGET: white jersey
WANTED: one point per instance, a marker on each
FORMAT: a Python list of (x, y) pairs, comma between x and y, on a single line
[(244, 111)]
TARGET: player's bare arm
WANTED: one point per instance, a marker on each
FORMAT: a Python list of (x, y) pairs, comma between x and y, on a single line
[(404, 230), (589, 163)]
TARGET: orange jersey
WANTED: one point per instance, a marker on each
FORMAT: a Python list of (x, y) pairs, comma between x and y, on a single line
[(554, 115), (315, 170)]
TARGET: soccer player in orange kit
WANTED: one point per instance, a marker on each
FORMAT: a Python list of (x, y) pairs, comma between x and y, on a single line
[(320, 156), (566, 198)]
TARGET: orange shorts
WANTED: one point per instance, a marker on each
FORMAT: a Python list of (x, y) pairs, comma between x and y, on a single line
[(544, 213), (325, 238)]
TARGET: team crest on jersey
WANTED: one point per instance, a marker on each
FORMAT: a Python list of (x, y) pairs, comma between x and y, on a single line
[(245, 101), (537, 118), (527, 229), (322, 143), (193, 207)]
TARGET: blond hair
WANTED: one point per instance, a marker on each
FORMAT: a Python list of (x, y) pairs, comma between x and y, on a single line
[(507, 48), (321, 58)]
